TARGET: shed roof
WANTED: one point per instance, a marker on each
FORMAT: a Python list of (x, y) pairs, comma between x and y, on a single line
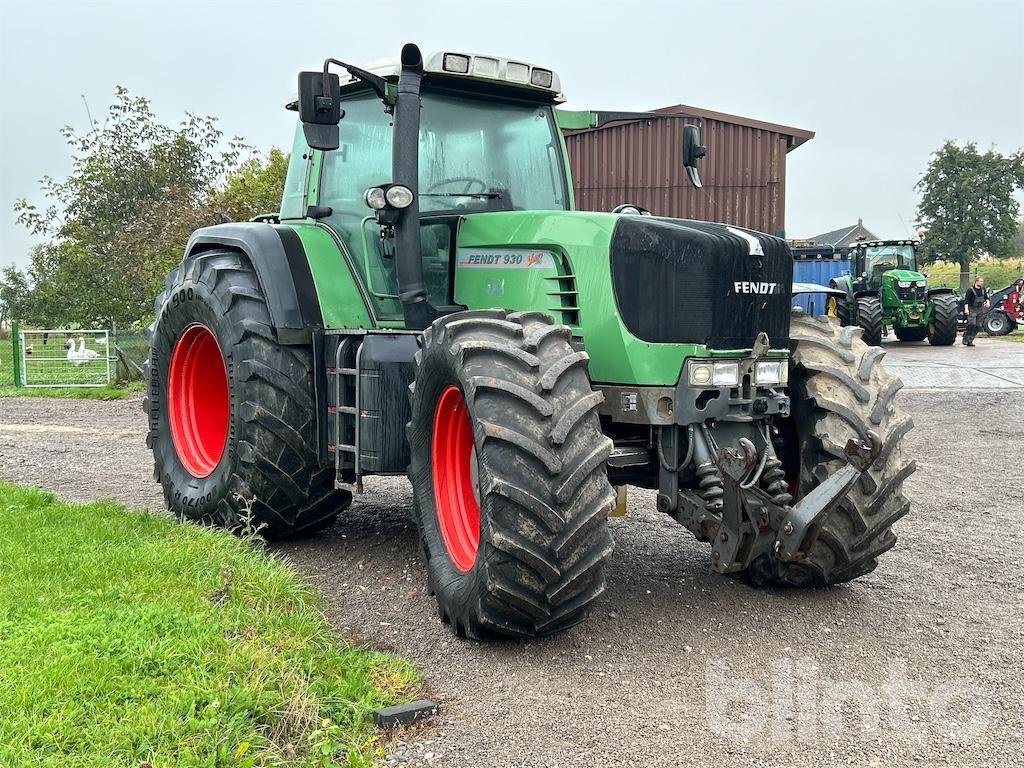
[(797, 136)]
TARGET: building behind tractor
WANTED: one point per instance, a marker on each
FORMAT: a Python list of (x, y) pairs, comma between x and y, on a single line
[(885, 290), (430, 303)]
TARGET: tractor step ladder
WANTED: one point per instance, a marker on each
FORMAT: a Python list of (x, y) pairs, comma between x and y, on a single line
[(345, 410)]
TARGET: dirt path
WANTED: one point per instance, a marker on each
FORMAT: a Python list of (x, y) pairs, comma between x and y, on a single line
[(919, 663)]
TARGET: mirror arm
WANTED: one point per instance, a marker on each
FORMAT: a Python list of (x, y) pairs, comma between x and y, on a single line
[(376, 82)]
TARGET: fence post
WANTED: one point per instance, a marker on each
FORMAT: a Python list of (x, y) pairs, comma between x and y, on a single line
[(16, 347)]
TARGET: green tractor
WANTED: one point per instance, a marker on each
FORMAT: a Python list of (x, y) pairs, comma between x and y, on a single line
[(429, 302), (884, 290)]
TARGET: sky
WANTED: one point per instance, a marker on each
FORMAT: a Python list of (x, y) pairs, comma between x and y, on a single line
[(883, 84)]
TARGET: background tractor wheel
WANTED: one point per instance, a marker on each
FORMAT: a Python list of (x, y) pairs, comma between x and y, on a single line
[(997, 323), (840, 390), (230, 409), (510, 487), (942, 329), (911, 334), (869, 318)]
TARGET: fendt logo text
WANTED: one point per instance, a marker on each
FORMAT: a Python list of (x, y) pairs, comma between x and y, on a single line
[(744, 286)]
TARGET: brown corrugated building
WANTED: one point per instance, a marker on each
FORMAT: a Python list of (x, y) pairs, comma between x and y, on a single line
[(639, 162)]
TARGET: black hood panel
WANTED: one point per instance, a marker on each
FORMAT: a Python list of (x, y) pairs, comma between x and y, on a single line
[(691, 281)]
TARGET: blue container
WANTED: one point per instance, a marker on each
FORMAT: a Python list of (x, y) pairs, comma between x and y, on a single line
[(818, 271)]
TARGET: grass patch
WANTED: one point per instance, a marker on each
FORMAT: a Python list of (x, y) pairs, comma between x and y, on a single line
[(7, 388), (128, 638)]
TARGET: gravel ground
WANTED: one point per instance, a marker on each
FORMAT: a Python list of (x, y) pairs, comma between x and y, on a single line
[(918, 663)]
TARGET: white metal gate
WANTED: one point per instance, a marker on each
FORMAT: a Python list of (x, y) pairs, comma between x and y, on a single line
[(63, 358)]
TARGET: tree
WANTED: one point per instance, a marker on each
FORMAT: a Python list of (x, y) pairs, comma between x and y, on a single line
[(1018, 240), (255, 187), (118, 223), (967, 203)]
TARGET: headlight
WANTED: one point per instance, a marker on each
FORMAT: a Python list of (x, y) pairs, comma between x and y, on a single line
[(771, 372), (727, 374), (903, 284), (375, 198), (701, 374), (399, 196), (922, 283), (712, 373)]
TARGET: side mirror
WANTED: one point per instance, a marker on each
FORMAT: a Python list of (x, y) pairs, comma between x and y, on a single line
[(320, 108), (693, 151)]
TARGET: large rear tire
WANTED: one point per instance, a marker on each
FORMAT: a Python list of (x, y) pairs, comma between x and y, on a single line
[(232, 421), (942, 328), (869, 318), (510, 487), (840, 390)]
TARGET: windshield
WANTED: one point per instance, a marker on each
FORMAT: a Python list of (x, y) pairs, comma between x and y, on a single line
[(881, 258), (475, 155), (488, 155)]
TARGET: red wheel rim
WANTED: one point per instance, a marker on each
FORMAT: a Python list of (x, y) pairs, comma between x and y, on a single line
[(198, 405), (451, 455)]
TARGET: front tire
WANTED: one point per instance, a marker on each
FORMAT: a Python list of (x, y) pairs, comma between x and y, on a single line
[(942, 328), (232, 424), (510, 487), (997, 323), (840, 390), (869, 318)]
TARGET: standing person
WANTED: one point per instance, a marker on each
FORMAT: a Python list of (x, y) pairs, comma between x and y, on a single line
[(975, 304)]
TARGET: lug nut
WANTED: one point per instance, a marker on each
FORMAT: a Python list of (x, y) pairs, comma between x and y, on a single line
[(787, 528)]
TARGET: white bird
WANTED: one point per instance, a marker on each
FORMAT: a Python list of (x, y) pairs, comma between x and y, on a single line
[(81, 355), (88, 354)]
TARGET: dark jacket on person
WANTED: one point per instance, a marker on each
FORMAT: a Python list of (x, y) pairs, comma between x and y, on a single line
[(975, 297)]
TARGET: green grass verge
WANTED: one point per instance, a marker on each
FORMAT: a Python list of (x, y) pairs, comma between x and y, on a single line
[(128, 638), (7, 388)]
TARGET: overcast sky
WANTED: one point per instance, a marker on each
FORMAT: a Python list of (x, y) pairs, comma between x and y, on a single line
[(881, 83)]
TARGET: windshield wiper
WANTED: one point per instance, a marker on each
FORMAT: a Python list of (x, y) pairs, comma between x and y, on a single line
[(483, 195)]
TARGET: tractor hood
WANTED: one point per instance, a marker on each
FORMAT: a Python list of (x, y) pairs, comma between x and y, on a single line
[(904, 275), (692, 281)]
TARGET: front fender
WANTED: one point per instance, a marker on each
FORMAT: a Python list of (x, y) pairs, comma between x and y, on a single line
[(843, 283), (277, 255)]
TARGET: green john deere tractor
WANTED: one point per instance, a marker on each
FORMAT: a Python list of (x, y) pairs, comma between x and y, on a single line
[(884, 290), (429, 302)]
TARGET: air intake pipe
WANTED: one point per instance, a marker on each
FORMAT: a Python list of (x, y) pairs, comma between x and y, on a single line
[(412, 292)]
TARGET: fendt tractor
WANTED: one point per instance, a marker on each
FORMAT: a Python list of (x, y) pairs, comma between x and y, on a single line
[(429, 302), (884, 290)]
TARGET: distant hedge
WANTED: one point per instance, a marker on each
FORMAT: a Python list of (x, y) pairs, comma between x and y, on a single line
[(998, 273)]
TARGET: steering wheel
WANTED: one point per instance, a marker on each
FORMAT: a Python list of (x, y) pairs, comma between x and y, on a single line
[(468, 181)]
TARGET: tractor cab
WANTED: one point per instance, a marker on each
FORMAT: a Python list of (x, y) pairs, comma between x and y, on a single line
[(873, 260)]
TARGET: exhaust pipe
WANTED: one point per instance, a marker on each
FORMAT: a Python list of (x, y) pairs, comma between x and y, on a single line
[(405, 170)]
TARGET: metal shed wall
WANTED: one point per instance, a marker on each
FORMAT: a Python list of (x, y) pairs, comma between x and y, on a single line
[(744, 172)]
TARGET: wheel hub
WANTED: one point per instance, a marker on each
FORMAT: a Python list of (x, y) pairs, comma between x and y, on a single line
[(198, 402), (454, 473)]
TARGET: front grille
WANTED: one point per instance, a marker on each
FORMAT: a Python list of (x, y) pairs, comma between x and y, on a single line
[(913, 293), (691, 281)]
